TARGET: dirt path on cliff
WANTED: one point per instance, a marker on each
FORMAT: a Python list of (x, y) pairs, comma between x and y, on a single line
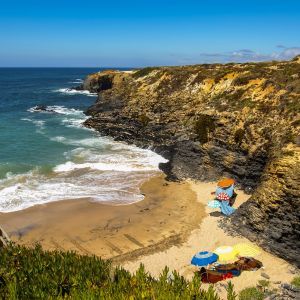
[(208, 236)]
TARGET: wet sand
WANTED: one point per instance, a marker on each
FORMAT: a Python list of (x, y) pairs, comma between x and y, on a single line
[(166, 216)]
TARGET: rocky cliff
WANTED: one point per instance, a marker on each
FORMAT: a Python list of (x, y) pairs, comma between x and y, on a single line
[(214, 120)]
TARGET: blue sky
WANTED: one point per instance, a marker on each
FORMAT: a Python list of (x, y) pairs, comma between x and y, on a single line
[(92, 33)]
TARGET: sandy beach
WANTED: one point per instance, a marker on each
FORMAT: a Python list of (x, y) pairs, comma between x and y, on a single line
[(168, 227), (208, 236), (166, 216)]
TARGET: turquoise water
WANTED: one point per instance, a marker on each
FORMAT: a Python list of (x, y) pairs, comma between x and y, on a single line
[(50, 156)]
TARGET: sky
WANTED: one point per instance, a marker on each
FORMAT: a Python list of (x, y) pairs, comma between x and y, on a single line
[(120, 33)]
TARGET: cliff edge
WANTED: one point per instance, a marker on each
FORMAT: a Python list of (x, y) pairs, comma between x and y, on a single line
[(212, 120)]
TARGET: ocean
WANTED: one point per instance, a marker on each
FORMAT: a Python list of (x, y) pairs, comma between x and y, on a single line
[(50, 156)]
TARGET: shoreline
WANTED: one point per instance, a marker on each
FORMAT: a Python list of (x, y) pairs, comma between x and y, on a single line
[(167, 228), (168, 213)]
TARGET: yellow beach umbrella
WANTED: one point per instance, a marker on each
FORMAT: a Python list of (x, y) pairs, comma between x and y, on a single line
[(244, 249), (226, 253)]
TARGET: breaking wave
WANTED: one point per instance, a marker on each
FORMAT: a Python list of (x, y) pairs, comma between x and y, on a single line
[(77, 81), (97, 168), (59, 109), (68, 91)]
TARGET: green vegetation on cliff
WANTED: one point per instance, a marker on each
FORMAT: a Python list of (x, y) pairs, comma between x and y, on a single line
[(36, 274)]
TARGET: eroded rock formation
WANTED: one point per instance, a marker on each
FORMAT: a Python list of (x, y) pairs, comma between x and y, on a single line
[(240, 120)]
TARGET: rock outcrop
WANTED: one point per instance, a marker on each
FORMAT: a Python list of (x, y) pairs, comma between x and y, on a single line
[(240, 120)]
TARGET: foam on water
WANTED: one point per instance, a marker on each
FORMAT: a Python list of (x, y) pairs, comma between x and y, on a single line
[(40, 124), (68, 91), (98, 168), (97, 187), (101, 177), (72, 122), (52, 157), (74, 117), (77, 81), (59, 109)]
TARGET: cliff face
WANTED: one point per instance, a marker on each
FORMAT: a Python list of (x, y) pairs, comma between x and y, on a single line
[(240, 120)]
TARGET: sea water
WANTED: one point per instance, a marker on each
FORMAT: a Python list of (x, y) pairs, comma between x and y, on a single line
[(51, 156)]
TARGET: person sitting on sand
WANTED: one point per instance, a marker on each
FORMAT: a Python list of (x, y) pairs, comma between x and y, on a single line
[(226, 195), (225, 191)]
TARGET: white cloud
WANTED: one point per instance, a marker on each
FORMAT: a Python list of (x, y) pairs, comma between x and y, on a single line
[(289, 53), (243, 55)]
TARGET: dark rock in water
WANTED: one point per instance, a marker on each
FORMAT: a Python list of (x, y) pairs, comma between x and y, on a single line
[(77, 88), (209, 121), (43, 108), (40, 108)]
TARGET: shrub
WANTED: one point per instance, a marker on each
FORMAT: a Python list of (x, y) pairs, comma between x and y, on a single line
[(239, 135), (242, 80), (144, 119), (263, 285), (251, 293), (296, 281), (143, 72), (200, 77), (203, 126), (36, 274), (231, 295)]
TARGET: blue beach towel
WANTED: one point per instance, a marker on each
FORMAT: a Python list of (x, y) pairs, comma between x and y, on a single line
[(226, 209), (234, 272)]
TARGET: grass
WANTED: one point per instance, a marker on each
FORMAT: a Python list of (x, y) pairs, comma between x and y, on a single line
[(251, 293), (143, 72), (296, 281), (36, 274)]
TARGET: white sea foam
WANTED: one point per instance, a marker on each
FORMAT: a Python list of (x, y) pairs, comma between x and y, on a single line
[(72, 122), (68, 91), (98, 168), (59, 109), (58, 139), (126, 159), (32, 189), (27, 119), (96, 142), (70, 166), (77, 81), (65, 110), (40, 124)]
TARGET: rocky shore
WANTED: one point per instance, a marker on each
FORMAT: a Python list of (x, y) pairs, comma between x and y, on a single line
[(212, 120)]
